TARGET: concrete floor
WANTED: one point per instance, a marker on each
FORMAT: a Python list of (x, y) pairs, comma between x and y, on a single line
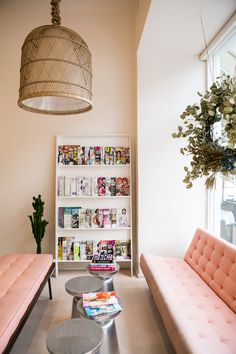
[(139, 327)]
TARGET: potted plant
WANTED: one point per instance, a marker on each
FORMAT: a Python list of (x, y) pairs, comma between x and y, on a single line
[(210, 154), (38, 225)]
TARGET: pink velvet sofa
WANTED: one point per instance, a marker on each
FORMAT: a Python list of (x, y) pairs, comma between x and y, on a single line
[(196, 296), (22, 278)]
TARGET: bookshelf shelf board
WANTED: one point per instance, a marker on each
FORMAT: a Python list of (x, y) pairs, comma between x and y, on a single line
[(94, 229), (92, 166), (88, 260), (94, 197)]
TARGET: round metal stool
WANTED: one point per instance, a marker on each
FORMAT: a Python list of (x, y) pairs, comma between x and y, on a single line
[(76, 336), (79, 285)]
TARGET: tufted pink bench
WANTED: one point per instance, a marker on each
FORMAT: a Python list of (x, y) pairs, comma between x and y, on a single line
[(196, 297), (22, 278)]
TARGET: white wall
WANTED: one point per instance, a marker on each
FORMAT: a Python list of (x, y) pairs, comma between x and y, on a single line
[(169, 75), (27, 140)]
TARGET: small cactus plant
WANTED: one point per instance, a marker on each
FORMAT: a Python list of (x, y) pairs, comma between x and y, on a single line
[(38, 225)]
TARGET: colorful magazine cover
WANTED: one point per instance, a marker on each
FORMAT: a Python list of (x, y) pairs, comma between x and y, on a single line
[(101, 310), (119, 186), (127, 155), (59, 249), (106, 155), (101, 183), (99, 299), (80, 155), (70, 154), (106, 218), (112, 155), (75, 154), (98, 155), (76, 250), (60, 156), (89, 250), (75, 217), (66, 158), (125, 187), (70, 248)]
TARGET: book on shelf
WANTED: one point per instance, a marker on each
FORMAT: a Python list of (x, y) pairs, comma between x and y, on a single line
[(102, 310), (99, 299), (102, 268)]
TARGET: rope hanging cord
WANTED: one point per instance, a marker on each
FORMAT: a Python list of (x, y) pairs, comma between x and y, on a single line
[(55, 12)]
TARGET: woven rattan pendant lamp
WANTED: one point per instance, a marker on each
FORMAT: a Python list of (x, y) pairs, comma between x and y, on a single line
[(56, 70)]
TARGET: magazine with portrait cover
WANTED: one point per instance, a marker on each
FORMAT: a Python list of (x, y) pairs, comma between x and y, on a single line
[(112, 155), (119, 186), (82, 213), (106, 158), (101, 183), (87, 218), (123, 217), (83, 246), (94, 218), (113, 212), (106, 218), (98, 155)]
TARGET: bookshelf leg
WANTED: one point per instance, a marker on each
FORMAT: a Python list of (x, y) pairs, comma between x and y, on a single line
[(74, 312)]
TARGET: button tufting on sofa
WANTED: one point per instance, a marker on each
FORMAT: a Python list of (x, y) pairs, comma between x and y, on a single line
[(207, 286)]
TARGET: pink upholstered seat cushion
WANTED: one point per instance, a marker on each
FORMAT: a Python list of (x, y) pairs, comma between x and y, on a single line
[(197, 320), (20, 278), (215, 261)]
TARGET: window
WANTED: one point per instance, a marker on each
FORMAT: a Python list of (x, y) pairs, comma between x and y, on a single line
[(222, 200)]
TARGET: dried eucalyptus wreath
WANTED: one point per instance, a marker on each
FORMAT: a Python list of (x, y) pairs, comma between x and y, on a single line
[(210, 155)]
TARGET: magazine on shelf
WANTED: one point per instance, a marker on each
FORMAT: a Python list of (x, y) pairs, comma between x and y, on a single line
[(75, 154), (122, 217), (61, 217), (86, 155), (60, 155), (76, 250), (101, 185), (100, 218), (102, 310), (122, 249), (60, 186), (89, 250), (73, 189), (99, 299), (112, 155), (94, 186), (67, 186), (94, 218), (98, 155), (91, 155), (106, 158), (83, 246), (75, 217), (113, 212), (106, 219)]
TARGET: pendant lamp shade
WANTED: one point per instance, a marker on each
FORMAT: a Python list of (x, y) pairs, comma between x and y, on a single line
[(56, 72)]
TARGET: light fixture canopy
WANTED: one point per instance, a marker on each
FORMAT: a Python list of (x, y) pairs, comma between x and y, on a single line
[(56, 70)]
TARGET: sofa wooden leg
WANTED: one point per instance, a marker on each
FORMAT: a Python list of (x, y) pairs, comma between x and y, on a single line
[(49, 288)]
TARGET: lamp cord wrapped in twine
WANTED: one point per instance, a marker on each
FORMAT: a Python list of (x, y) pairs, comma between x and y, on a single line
[(55, 12)]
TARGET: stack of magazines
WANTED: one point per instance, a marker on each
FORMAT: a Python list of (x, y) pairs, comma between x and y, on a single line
[(100, 303), (102, 263)]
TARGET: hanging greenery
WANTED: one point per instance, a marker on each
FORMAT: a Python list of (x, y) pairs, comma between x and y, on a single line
[(210, 155)]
